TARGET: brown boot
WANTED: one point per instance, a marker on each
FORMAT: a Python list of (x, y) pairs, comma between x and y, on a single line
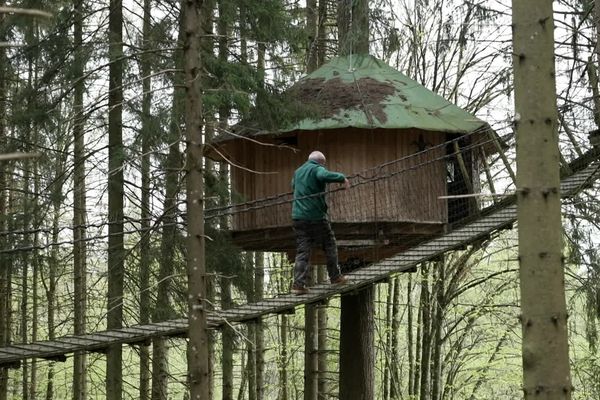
[(340, 280)]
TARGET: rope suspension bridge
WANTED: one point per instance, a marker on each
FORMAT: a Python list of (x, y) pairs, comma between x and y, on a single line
[(407, 255)]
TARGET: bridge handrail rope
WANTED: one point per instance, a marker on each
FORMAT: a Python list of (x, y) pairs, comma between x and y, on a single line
[(283, 198), (237, 208), (501, 216)]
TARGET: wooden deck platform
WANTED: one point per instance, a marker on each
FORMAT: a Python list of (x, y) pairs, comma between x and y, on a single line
[(489, 223)]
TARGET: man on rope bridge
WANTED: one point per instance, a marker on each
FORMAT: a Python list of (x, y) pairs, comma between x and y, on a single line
[(310, 221)]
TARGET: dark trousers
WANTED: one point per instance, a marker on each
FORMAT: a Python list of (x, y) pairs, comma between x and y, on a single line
[(310, 234)]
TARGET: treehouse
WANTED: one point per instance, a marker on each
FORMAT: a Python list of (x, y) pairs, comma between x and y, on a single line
[(389, 134)]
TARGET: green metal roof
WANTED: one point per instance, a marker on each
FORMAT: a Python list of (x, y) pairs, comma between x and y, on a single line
[(363, 92)]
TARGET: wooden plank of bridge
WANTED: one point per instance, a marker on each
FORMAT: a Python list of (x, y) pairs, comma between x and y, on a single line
[(476, 230)]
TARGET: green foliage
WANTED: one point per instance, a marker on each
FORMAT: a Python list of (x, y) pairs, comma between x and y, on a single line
[(269, 21), (236, 83), (231, 84), (221, 256)]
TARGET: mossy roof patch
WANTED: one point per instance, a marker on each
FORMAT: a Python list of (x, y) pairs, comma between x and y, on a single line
[(361, 91)]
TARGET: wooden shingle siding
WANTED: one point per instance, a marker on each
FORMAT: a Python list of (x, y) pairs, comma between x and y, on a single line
[(409, 196)]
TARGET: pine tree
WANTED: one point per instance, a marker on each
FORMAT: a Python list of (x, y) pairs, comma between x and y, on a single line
[(116, 253)]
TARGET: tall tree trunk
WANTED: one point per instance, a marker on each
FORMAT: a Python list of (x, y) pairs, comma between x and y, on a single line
[(228, 342), (207, 44), (418, 339), (424, 392), (311, 322), (116, 253), (79, 205), (394, 371), (52, 281), (35, 262), (243, 33), (244, 379), (322, 340), (344, 25), (592, 65), (228, 334), (357, 316), (251, 346), (145, 261), (353, 27), (597, 25), (436, 327), (260, 346), (283, 337), (546, 373), (255, 356), (34, 318), (321, 33), (283, 372), (198, 368), (386, 353), (28, 200), (357, 359), (25, 260), (312, 32), (4, 261), (311, 334), (5, 267), (410, 340)]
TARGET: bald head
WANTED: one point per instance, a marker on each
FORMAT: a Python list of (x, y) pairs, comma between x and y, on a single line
[(317, 156)]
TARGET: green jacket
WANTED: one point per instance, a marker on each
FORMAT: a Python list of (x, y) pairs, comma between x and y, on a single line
[(310, 179)]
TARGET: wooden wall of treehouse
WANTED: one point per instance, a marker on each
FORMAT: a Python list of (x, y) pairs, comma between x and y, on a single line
[(409, 195)]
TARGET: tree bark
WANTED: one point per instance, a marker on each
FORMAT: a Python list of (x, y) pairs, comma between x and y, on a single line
[(197, 354), (35, 257), (5, 309), (344, 23), (395, 331), (283, 372), (436, 326), (260, 345), (357, 315), (546, 373), (283, 335), (116, 253), (410, 339), (425, 305), (592, 66), (35, 264), (27, 202), (25, 259), (321, 34), (357, 376), (311, 333), (228, 334), (387, 353), (418, 339), (51, 285), (322, 340), (145, 251), (353, 27), (311, 31), (228, 342), (311, 322)]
